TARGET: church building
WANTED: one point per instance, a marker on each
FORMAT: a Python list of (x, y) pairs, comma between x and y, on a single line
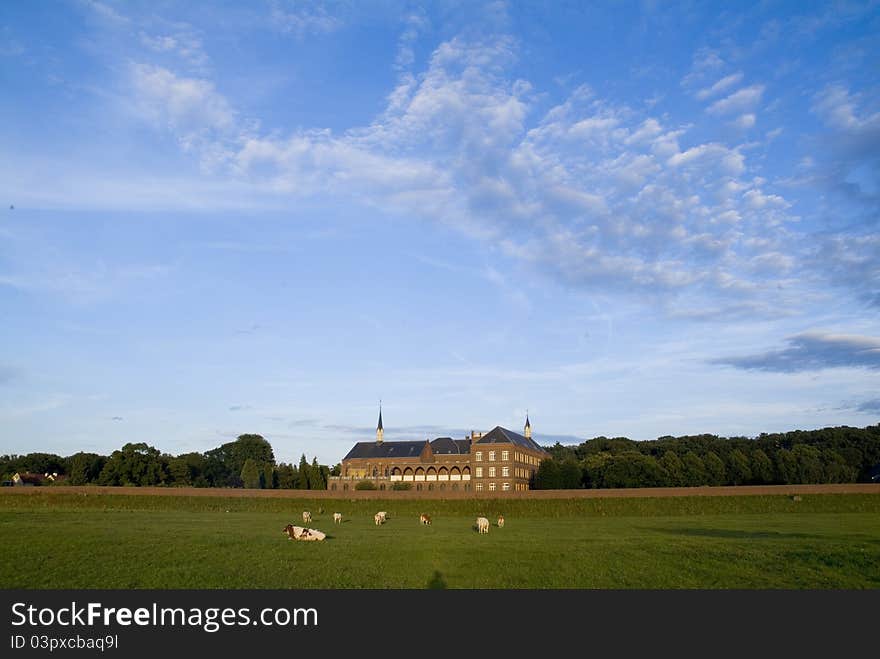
[(499, 460)]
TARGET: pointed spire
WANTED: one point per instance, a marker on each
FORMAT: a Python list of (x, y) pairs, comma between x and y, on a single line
[(380, 431), (528, 427)]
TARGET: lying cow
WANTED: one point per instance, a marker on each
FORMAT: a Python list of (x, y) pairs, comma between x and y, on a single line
[(500, 521), (307, 517), (482, 525), (425, 519), (337, 518), (302, 533)]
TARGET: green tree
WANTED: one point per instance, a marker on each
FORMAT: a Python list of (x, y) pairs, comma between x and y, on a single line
[(761, 467), (694, 470), (187, 470), (251, 474), (786, 467), (84, 468), (570, 475), (809, 464), (673, 467), (715, 473), (738, 470), (287, 476), (594, 468), (633, 469), (134, 464), (305, 474), (548, 476), (268, 478), (316, 478)]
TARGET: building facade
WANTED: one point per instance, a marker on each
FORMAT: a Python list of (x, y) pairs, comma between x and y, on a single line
[(500, 460)]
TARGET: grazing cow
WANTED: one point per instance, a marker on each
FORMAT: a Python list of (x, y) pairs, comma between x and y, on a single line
[(500, 521), (379, 519), (307, 517), (301, 533), (425, 519), (383, 515), (337, 518), (482, 525)]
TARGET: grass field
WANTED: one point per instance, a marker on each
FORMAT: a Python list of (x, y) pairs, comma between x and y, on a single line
[(828, 541)]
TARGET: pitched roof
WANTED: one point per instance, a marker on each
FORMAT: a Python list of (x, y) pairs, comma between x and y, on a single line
[(386, 450), (379, 427), (449, 446), (499, 435)]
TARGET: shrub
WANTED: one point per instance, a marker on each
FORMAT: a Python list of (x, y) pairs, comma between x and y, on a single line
[(365, 485), (401, 486)]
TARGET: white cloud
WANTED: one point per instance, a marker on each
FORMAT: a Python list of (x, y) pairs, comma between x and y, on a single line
[(744, 121), (301, 19), (592, 192), (739, 101), (722, 85)]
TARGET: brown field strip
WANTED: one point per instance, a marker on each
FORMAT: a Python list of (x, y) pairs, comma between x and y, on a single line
[(648, 492)]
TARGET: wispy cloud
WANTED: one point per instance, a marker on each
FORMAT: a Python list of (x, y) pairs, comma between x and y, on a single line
[(721, 86), (301, 19), (739, 101), (813, 352)]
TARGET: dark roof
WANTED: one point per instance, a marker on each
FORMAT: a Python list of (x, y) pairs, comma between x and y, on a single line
[(528, 425), (499, 435), (379, 427), (386, 450), (449, 446)]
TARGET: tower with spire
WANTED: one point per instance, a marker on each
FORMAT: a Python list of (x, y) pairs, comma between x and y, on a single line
[(380, 432), (528, 429)]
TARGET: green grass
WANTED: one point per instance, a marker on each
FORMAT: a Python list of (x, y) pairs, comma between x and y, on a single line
[(108, 541)]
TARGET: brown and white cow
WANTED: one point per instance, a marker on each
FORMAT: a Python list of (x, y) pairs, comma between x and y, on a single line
[(307, 517), (425, 519), (500, 521), (302, 533)]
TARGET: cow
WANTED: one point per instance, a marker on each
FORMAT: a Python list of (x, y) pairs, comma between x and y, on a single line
[(337, 518), (425, 519), (307, 517), (379, 519), (482, 525), (500, 521), (383, 515), (302, 533)]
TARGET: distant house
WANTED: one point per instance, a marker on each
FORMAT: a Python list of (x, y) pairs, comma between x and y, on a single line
[(28, 479)]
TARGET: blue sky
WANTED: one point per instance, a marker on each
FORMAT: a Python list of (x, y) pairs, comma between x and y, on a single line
[(630, 219)]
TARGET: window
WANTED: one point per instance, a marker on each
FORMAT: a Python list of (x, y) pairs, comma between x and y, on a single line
[(491, 456), (505, 456), (479, 487), (492, 486), (479, 456), (505, 487), (491, 472), (505, 471), (479, 472)]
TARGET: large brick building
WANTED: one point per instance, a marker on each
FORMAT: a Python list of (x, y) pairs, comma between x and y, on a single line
[(496, 461)]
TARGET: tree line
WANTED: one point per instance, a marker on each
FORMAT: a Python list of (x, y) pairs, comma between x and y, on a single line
[(246, 462), (830, 455)]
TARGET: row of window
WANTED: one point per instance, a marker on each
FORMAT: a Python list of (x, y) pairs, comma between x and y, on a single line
[(505, 456), (505, 471), (493, 486)]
